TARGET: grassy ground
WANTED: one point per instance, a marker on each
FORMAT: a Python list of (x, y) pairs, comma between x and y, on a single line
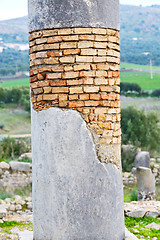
[(147, 104), (137, 66), (14, 83), (138, 227), (15, 119), (142, 78)]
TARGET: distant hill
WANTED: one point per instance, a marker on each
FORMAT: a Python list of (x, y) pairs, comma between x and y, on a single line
[(140, 33), (16, 25)]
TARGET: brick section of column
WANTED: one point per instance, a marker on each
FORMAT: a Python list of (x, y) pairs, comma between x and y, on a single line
[(78, 68)]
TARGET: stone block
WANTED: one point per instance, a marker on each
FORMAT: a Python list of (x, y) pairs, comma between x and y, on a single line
[(142, 159), (4, 165), (84, 196), (20, 166), (145, 184)]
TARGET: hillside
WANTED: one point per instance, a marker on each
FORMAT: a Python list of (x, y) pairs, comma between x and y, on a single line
[(13, 26), (140, 32)]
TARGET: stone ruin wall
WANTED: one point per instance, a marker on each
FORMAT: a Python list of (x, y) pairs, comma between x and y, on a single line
[(78, 68)]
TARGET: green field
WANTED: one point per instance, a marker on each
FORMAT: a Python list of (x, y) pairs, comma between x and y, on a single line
[(137, 66), (14, 83), (15, 120), (142, 78)]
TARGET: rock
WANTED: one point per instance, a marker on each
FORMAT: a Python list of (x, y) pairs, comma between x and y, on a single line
[(137, 213), (3, 212), (152, 214), (25, 235), (153, 225), (134, 171), (145, 184), (142, 159), (18, 207), (26, 156), (129, 235), (4, 165), (20, 166)]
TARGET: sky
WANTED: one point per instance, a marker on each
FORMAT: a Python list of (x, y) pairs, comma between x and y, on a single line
[(18, 8)]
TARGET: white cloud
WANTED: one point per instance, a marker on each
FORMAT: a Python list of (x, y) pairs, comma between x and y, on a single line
[(15, 13), (140, 2)]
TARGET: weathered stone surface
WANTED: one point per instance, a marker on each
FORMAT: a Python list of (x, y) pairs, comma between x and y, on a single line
[(138, 213), (145, 184), (153, 225), (73, 13), (3, 212), (84, 196), (26, 155), (20, 166), (129, 235), (152, 214), (142, 159), (25, 235), (4, 165)]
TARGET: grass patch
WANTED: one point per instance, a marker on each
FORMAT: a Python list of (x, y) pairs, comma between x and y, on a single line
[(14, 83), (130, 194), (137, 66), (14, 223), (140, 225), (24, 191), (16, 120), (142, 78), (7, 226)]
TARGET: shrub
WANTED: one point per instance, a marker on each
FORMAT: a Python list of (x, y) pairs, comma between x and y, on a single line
[(156, 93), (10, 148), (128, 154), (129, 87), (140, 129), (18, 95)]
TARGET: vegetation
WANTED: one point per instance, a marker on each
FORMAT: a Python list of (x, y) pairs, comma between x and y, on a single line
[(128, 154), (11, 148), (126, 87), (140, 35), (12, 61), (140, 225), (16, 95), (156, 93), (14, 120), (142, 78), (130, 194), (23, 82), (140, 129)]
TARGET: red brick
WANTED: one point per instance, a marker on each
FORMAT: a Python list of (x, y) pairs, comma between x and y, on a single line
[(115, 74), (33, 79), (95, 96), (58, 83), (71, 51), (53, 75), (54, 53), (73, 97), (84, 96), (63, 97), (91, 103), (60, 90), (58, 69), (88, 81), (105, 89), (76, 104), (54, 39)]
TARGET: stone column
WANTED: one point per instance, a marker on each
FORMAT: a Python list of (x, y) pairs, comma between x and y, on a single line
[(145, 184), (76, 135)]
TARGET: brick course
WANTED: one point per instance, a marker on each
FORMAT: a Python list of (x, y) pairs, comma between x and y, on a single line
[(78, 68)]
